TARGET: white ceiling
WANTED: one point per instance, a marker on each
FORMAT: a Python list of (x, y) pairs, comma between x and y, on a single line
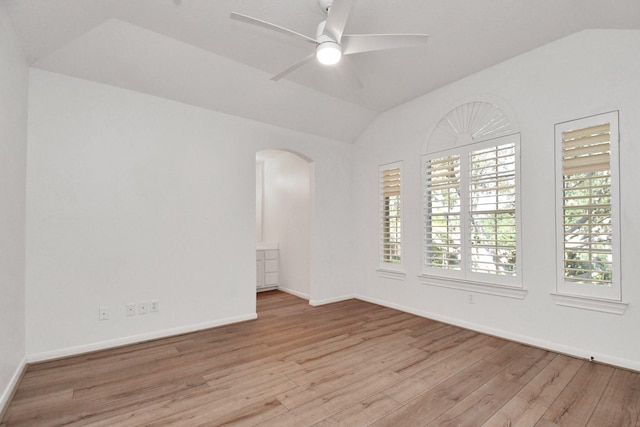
[(190, 51)]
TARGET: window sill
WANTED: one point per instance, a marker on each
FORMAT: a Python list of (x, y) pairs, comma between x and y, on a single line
[(472, 286), (589, 303), (391, 274)]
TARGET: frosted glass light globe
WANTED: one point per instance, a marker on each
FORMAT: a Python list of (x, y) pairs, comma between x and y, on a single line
[(329, 53)]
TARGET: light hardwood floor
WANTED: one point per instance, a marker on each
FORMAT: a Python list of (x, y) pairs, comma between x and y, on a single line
[(350, 363)]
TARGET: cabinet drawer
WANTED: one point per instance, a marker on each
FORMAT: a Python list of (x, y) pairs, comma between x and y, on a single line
[(260, 273), (270, 279), (259, 255), (271, 266), (271, 254)]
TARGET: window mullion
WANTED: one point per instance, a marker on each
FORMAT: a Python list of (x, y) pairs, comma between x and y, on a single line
[(465, 208)]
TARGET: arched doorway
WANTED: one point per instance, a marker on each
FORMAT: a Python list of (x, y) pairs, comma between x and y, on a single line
[(284, 212)]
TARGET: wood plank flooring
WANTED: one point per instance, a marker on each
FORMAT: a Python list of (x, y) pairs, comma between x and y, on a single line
[(346, 364)]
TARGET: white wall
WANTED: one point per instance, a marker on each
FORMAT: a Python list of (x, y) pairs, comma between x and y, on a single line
[(13, 146), (259, 197), (132, 197), (587, 73), (286, 215)]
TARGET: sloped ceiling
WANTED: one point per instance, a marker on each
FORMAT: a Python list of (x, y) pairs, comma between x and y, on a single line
[(190, 51)]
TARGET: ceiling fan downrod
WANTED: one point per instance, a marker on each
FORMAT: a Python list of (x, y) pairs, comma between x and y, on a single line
[(325, 5)]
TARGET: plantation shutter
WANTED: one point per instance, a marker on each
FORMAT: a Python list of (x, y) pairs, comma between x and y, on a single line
[(391, 181), (443, 232), (587, 232), (492, 210), (586, 150)]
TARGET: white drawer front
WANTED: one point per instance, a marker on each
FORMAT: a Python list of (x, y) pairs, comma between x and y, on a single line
[(270, 279), (271, 266), (271, 254), (260, 273)]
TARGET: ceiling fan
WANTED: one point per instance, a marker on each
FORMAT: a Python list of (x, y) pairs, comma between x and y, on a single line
[(331, 45)]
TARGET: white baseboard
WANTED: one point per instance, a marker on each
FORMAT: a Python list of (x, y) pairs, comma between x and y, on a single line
[(294, 292), (72, 351), (7, 394), (535, 342), (316, 303)]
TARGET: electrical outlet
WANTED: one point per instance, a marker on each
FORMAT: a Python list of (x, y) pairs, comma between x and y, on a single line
[(471, 299), (131, 309), (155, 306), (143, 308), (103, 313)]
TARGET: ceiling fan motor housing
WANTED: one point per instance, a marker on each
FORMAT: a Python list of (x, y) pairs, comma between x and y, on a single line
[(328, 50)]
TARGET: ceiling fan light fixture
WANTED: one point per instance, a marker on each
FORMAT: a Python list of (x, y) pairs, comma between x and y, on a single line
[(329, 53), (330, 38)]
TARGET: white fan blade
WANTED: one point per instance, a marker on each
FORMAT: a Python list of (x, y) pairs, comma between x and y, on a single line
[(359, 43), (337, 18), (346, 68), (270, 26), (294, 67)]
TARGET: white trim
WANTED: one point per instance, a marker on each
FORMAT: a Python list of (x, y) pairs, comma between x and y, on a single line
[(294, 292), (473, 286), (547, 345), (587, 303), (316, 303), (391, 274), (8, 392), (72, 351)]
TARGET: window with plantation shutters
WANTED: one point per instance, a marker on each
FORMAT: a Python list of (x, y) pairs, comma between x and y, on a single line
[(588, 254), (492, 210), (442, 202), (391, 216), (471, 216)]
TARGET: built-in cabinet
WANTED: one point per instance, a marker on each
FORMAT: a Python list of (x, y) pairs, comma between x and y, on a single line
[(267, 259)]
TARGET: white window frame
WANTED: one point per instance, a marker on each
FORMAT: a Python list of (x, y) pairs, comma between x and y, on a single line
[(391, 270), (464, 278), (587, 295)]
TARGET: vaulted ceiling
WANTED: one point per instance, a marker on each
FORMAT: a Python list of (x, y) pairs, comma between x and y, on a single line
[(190, 51)]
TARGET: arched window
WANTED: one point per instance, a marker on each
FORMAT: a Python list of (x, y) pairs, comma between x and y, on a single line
[(471, 188)]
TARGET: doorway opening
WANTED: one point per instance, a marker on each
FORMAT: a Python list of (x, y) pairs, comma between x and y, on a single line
[(284, 212)]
